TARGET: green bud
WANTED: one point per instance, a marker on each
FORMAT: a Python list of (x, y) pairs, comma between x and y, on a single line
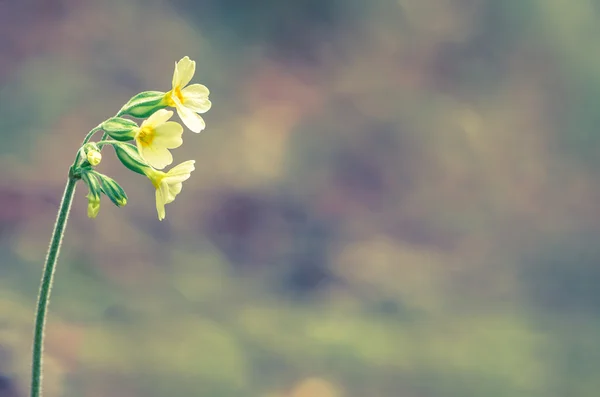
[(93, 195), (90, 146), (120, 129), (112, 190), (130, 157), (144, 104)]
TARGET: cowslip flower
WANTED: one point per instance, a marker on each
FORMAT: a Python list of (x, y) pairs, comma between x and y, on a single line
[(190, 100), (169, 184), (156, 136)]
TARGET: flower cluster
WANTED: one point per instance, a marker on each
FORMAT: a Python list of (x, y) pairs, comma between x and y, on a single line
[(153, 138)]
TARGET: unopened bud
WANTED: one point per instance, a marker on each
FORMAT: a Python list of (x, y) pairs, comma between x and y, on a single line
[(144, 104), (112, 190), (130, 157), (94, 157), (120, 129), (93, 195)]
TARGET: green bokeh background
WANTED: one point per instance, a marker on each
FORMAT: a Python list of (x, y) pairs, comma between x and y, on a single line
[(395, 198)]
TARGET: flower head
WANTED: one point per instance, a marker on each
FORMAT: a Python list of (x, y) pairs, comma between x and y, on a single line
[(156, 136), (169, 184), (190, 100)]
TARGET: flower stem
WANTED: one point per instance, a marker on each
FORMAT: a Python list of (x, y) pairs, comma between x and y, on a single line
[(91, 133), (46, 286)]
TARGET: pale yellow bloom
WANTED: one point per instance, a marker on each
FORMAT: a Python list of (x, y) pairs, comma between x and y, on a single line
[(94, 157), (190, 100), (169, 184), (156, 136)]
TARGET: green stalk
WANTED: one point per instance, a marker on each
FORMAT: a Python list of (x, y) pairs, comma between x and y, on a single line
[(91, 133), (46, 286)]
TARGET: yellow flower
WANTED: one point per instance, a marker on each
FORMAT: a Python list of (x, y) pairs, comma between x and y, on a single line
[(156, 136), (190, 100), (169, 184)]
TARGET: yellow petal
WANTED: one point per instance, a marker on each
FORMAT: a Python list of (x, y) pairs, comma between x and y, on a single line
[(198, 105), (157, 118), (157, 157), (196, 98), (195, 91), (160, 203), (184, 71), (175, 189), (176, 79), (180, 172), (191, 119), (168, 135), (169, 198)]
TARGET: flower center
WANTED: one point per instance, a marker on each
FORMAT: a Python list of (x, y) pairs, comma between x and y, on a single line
[(177, 92), (156, 181), (155, 176), (145, 136)]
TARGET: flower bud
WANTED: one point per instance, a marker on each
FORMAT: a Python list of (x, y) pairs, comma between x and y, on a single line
[(90, 146), (144, 104), (120, 129), (93, 195), (112, 190), (94, 157), (130, 157)]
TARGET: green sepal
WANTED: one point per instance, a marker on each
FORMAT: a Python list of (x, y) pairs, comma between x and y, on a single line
[(90, 146), (144, 104), (95, 189), (130, 157), (120, 129), (112, 189)]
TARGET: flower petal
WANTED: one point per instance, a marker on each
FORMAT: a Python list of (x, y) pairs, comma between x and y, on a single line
[(199, 105), (183, 168), (195, 97), (169, 198), (192, 120), (195, 91), (160, 202), (168, 135), (176, 78), (157, 157), (174, 190), (184, 71), (180, 172), (157, 118)]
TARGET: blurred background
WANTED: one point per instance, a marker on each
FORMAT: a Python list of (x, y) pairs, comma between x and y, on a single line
[(392, 198)]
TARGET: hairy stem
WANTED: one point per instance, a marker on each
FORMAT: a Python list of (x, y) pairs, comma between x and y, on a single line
[(91, 133), (46, 286)]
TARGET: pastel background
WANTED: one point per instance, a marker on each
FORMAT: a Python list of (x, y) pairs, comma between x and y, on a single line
[(392, 198)]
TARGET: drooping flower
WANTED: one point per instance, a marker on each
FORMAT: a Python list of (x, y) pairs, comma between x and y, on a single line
[(169, 184), (190, 100), (156, 136)]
